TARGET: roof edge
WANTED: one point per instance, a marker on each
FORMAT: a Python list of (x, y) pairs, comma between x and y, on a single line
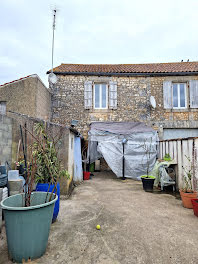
[(128, 74)]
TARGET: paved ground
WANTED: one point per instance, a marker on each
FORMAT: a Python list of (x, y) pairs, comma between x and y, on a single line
[(136, 227)]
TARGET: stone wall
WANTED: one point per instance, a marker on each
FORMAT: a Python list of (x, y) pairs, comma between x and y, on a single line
[(10, 142), (28, 96), (133, 95), (43, 101)]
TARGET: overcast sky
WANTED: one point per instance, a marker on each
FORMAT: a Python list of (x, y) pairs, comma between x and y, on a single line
[(90, 31)]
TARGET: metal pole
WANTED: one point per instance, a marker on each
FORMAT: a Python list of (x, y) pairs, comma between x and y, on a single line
[(123, 164), (53, 39)]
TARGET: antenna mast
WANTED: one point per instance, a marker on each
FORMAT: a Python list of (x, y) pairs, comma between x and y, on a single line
[(54, 24)]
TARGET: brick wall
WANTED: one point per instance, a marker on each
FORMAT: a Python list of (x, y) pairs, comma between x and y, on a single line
[(133, 103)]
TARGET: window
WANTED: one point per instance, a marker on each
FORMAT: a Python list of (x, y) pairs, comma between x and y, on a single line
[(100, 96), (2, 108), (176, 94), (179, 95)]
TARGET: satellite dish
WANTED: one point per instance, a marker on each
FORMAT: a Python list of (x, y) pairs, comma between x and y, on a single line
[(52, 78), (152, 101)]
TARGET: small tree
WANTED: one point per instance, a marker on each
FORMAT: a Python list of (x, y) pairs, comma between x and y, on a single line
[(188, 170), (44, 166), (147, 146)]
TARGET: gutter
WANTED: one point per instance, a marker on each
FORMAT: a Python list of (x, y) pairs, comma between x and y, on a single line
[(75, 131), (128, 74)]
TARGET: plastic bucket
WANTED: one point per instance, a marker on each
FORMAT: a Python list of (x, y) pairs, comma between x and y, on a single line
[(195, 206), (27, 228), (43, 187), (86, 175), (92, 167), (13, 175), (3, 180)]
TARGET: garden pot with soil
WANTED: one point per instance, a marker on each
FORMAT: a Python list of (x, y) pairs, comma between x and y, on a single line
[(186, 198), (27, 228), (147, 182)]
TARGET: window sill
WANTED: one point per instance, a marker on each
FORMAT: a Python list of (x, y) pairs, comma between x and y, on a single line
[(100, 110), (181, 110)]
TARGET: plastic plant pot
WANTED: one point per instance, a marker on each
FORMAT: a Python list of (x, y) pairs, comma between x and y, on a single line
[(186, 198), (147, 182), (86, 175), (195, 206), (27, 228)]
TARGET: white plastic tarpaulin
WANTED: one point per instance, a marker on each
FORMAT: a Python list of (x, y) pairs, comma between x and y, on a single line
[(106, 140)]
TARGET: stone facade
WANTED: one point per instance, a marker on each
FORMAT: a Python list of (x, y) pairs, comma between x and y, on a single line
[(133, 104), (27, 96)]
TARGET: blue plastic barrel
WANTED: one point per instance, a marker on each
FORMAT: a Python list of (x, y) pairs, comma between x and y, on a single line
[(43, 187)]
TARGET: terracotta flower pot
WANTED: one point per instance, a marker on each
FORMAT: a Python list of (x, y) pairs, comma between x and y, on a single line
[(186, 198)]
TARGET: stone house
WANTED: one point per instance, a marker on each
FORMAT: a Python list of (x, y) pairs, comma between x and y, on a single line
[(121, 92), (27, 95)]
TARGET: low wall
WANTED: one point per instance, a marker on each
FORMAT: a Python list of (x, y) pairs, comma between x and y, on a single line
[(11, 143)]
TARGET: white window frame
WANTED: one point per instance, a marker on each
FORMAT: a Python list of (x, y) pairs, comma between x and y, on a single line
[(178, 92), (100, 96)]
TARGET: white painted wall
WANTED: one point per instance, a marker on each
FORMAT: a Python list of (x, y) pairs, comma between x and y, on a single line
[(71, 155)]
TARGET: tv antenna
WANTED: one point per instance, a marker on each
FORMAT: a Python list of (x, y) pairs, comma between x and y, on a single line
[(52, 77)]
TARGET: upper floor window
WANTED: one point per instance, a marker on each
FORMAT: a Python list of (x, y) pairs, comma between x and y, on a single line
[(100, 96), (179, 95)]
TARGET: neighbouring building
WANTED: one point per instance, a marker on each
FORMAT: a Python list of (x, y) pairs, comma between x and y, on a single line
[(121, 92), (27, 95)]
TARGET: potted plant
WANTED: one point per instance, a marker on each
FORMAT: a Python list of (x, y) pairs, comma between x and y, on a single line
[(147, 180), (187, 193), (49, 168), (167, 157), (28, 216)]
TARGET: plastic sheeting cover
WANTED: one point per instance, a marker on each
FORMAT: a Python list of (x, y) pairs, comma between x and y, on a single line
[(106, 141)]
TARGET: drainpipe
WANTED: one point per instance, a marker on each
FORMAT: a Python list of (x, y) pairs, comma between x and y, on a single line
[(124, 141)]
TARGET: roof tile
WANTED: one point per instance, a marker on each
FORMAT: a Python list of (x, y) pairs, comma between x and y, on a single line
[(172, 67)]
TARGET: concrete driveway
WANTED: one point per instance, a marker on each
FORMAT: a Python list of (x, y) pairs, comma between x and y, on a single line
[(136, 227)]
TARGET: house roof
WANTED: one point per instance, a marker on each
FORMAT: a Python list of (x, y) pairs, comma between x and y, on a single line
[(23, 78), (128, 69)]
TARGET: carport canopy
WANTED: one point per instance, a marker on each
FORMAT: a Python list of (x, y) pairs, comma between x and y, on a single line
[(106, 139)]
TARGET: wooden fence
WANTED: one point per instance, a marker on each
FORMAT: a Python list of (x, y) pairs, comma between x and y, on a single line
[(180, 150)]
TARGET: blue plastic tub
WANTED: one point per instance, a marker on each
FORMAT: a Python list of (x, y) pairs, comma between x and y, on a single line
[(43, 187)]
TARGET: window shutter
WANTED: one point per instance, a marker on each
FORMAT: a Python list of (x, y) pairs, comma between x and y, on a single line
[(167, 93), (193, 93), (112, 95), (88, 94)]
